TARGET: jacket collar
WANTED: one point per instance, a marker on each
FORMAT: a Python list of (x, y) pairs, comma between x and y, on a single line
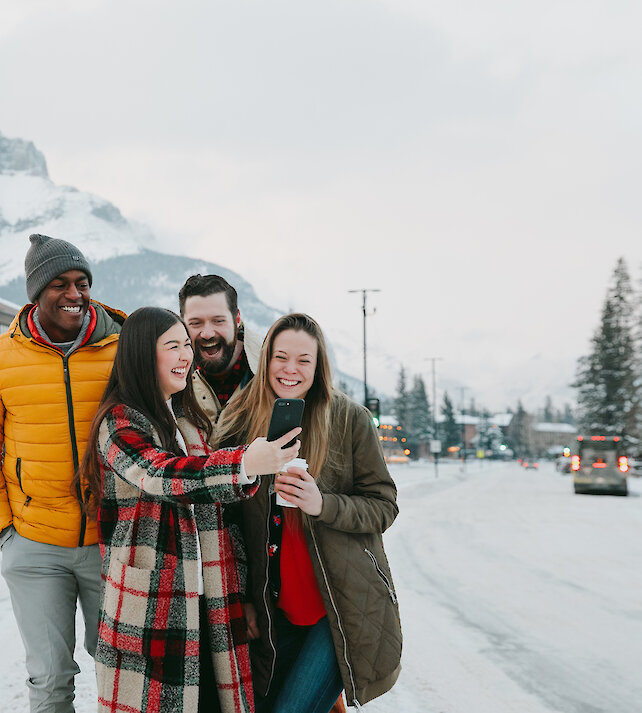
[(252, 346), (38, 334), (108, 322)]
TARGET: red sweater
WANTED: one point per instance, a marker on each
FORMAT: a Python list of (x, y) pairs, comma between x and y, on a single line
[(299, 598)]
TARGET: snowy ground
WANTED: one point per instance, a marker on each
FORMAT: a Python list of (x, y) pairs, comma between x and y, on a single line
[(516, 597)]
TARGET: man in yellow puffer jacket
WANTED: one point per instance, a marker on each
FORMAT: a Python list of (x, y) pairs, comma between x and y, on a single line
[(55, 361)]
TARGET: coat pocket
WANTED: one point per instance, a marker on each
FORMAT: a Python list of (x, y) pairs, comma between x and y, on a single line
[(19, 472), (136, 608), (19, 477), (382, 575)]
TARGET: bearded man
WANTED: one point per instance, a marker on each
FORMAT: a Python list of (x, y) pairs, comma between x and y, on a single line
[(226, 355)]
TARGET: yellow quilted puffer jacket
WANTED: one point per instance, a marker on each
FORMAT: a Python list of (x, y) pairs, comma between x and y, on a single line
[(47, 403)]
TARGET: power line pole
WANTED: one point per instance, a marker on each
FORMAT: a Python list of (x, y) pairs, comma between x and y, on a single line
[(364, 293), (463, 430), (434, 389), (435, 455)]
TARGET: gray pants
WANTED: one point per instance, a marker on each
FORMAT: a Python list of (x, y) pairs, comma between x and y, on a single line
[(44, 582)]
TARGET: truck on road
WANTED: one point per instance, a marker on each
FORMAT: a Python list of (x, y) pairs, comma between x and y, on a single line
[(600, 465)]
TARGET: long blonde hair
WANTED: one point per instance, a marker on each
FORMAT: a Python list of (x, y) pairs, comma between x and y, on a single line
[(247, 415)]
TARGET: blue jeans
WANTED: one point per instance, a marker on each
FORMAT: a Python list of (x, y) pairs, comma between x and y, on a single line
[(306, 675)]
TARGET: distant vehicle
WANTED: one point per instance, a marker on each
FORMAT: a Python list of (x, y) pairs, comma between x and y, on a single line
[(563, 464), (396, 458), (529, 464), (600, 466)]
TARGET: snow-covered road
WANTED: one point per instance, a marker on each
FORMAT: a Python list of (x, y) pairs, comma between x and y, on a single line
[(516, 597), (515, 594)]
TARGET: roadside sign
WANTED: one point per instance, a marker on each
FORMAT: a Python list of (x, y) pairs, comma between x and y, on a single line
[(435, 446)]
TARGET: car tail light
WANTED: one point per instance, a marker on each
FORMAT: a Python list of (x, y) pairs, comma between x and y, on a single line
[(536, 465), (623, 464), (575, 462), (599, 464)]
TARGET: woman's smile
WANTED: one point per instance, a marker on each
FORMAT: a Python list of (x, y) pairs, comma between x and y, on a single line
[(293, 364)]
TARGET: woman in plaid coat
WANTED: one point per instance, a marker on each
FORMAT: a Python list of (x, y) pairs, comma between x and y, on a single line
[(172, 636)]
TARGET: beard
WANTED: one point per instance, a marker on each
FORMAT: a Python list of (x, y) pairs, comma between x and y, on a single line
[(216, 358)]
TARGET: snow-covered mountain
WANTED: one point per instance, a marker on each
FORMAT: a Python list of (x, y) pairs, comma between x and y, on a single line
[(30, 202), (128, 270), (131, 270)]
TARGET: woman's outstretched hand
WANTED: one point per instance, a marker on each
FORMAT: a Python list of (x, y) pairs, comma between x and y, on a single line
[(298, 487), (265, 457)]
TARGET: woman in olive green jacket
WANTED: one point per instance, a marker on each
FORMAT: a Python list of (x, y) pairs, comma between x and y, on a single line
[(322, 608)]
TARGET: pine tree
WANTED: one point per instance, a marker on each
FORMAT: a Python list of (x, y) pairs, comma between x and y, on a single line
[(386, 405), (401, 400), (472, 409), (419, 421), (605, 381), (636, 416), (450, 431), (518, 430), (568, 416), (548, 411)]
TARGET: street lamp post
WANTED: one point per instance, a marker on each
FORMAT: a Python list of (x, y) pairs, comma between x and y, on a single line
[(434, 389), (364, 293), (434, 406), (463, 431)]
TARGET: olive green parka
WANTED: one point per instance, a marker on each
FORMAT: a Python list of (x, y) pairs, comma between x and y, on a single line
[(346, 548)]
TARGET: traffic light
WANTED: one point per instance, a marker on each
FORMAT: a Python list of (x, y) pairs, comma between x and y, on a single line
[(373, 406)]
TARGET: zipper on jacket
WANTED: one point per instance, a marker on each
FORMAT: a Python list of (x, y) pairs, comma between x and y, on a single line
[(355, 702), (265, 593), (385, 579), (72, 428), (74, 447)]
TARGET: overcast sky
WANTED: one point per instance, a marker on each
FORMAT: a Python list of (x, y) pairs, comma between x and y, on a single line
[(477, 162)]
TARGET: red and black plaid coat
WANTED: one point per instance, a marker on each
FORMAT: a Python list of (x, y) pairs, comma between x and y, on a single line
[(147, 659)]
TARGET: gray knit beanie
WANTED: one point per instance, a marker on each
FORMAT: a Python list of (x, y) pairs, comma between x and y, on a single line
[(49, 257)]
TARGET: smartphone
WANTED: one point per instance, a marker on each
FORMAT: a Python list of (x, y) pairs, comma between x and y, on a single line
[(286, 415)]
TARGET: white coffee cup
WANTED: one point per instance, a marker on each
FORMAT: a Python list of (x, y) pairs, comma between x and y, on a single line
[(294, 463)]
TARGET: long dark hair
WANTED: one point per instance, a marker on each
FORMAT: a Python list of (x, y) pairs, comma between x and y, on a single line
[(134, 382)]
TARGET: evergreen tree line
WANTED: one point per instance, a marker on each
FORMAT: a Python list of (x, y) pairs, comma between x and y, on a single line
[(608, 383), (412, 410)]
